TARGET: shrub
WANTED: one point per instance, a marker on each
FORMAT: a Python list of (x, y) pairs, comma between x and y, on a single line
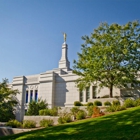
[(44, 112), (77, 103), (46, 123), (14, 123), (90, 110), (81, 114), (64, 118), (107, 103), (97, 112), (98, 103), (112, 108), (74, 111), (137, 102), (116, 102), (105, 96), (89, 104), (129, 103), (34, 107), (29, 124), (53, 111)]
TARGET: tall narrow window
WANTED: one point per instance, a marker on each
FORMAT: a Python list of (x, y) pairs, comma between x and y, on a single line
[(26, 96), (31, 95), (36, 95), (94, 91), (87, 94), (81, 96)]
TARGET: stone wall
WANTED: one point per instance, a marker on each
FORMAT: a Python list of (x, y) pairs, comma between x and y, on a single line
[(37, 119)]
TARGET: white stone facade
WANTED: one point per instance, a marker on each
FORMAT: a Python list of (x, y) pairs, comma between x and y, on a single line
[(56, 86)]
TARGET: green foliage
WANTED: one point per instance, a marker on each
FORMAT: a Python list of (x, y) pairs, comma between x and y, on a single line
[(81, 114), (14, 123), (46, 123), (8, 102), (116, 102), (50, 112), (98, 103), (114, 108), (34, 107), (90, 110), (29, 124), (110, 56), (129, 103), (137, 102), (53, 111), (107, 103), (65, 118), (105, 96), (74, 111), (89, 104), (77, 103), (44, 112), (78, 113)]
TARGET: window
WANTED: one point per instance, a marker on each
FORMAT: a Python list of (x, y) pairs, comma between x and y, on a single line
[(87, 94), (26, 96), (94, 91), (31, 95), (81, 96), (36, 95)]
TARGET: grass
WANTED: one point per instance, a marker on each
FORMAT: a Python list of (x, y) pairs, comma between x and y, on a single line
[(124, 125)]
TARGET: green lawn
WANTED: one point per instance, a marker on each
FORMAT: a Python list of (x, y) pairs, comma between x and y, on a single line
[(124, 125)]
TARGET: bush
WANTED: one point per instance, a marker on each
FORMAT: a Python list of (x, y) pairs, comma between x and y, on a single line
[(107, 103), (74, 111), (90, 110), (137, 102), (29, 124), (105, 96), (51, 112), (46, 123), (77, 103), (129, 103), (89, 104), (14, 123), (114, 108), (81, 115), (34, 107), (116, 102), (98, 103), (64, 118), (44, 112)]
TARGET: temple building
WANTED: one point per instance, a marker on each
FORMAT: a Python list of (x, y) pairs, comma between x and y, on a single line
[(57, 86)]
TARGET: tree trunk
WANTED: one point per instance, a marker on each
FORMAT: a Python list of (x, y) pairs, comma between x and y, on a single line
[(111, 91)]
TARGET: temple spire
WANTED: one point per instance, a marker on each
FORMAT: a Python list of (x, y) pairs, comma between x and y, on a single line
[(64, 62)]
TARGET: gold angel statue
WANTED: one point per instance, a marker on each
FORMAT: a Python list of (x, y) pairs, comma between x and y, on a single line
[(65, 36)]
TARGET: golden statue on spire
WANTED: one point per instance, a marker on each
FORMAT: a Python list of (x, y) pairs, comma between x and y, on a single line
[(65, 36)]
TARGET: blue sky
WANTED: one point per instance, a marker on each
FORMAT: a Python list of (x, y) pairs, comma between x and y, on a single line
[(31, 30)]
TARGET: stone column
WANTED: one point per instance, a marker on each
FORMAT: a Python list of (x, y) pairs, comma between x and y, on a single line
[(28, 95), (84, 96), (91, 92), (33, 94)]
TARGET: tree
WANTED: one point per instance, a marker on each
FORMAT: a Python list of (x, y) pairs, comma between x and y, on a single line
[(8, 101), (34, 107), (110, 57)]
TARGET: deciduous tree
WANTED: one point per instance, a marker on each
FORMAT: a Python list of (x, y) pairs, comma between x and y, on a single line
[(110, 57), (8, 101)]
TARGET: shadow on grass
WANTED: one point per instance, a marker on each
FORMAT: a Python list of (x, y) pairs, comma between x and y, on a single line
[(123, 125)]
